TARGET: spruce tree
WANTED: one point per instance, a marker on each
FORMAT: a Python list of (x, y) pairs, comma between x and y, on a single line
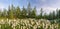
[(4, 13), (18, 12), (29, 11), (54, 15), (24, 12), (33, 13), (45, 16), (41, 12), (10, 12)]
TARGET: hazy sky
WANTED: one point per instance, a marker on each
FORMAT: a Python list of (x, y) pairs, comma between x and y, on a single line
[(47, 5)]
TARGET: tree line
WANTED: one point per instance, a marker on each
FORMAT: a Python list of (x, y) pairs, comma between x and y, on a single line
[(16, 12)]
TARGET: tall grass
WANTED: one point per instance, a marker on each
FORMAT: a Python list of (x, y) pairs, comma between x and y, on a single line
[(28, 24)]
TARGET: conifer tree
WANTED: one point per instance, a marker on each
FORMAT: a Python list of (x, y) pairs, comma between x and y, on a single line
[(24, 12), (33, 13), (41, 12), (4, 13), (54, 15), (29, 10), (45, 16), (10, 12), (18, 12)]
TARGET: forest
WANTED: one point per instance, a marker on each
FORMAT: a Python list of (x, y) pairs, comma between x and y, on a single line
[(29, 12)]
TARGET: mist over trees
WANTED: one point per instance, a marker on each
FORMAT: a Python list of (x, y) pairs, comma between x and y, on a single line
[(29, 12)]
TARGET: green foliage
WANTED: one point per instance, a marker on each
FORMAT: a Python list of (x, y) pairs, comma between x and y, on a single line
[(18, 12), (10, 12), (4, 13), (0, 13), (58, 14), (50, 16), (41, 13), (33, 13), (15, 12), (29, 10), (24, 12), (5, 26), (54, 16), (45, 16)]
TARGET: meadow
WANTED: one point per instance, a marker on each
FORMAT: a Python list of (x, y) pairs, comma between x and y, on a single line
[(28, 24)]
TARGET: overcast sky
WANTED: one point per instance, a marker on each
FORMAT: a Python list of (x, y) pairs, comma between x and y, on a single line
[(47, 5)]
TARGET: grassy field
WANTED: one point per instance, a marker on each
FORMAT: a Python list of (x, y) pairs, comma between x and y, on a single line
[(28, 24)]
